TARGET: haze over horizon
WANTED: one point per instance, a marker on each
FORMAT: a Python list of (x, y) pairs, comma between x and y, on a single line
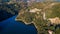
[(35, 0)]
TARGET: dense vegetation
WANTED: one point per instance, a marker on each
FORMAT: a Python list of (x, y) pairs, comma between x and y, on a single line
[(8, 10)]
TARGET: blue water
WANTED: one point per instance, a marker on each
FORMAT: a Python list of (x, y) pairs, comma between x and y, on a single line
[(10, 26)]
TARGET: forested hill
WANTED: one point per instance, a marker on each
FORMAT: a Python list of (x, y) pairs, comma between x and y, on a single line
[(8, 10)]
